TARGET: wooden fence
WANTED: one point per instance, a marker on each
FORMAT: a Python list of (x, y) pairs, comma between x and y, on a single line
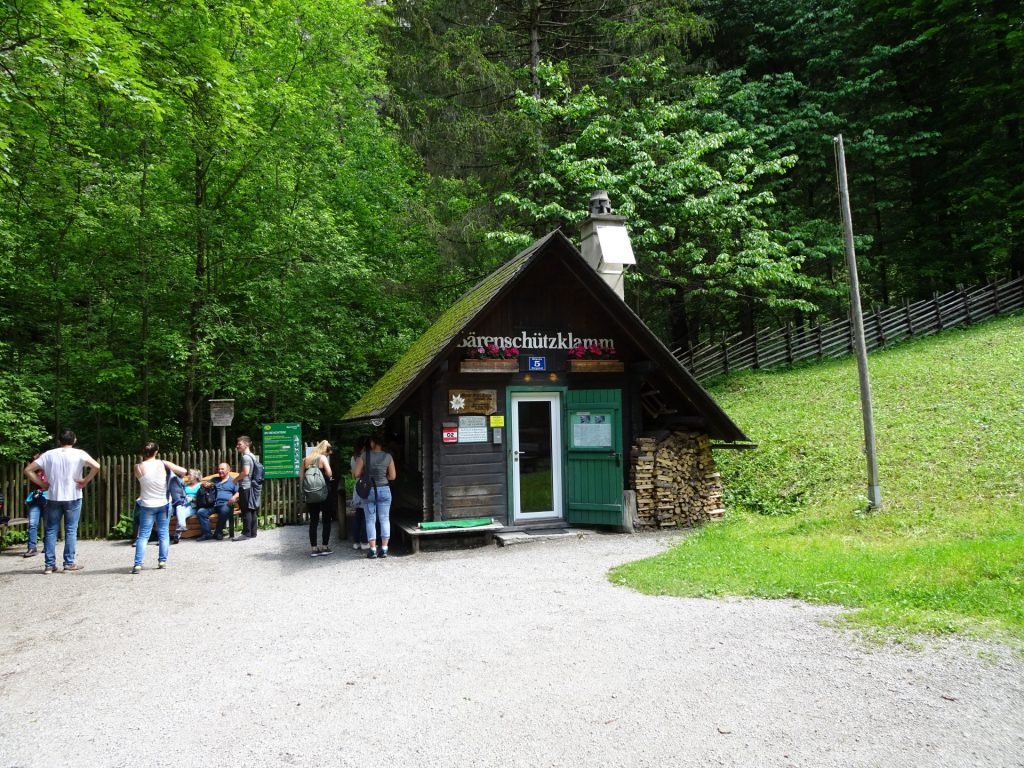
[(787, 345), (114, 491)]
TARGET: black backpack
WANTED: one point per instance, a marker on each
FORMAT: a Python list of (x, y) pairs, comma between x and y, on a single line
[(257, 472), (206, 496)]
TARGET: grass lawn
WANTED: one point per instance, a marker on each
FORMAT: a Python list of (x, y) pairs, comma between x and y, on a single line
[(946, 551)]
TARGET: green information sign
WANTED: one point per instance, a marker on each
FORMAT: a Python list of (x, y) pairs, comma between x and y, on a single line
[(282, 450)]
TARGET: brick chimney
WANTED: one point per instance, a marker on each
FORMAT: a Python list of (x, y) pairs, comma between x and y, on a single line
[(605, 242)]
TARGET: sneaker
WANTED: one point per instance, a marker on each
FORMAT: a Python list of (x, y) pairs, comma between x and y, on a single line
[(364, 545), (242, 537), (204, 537), (326, 551), (355, 545), (371, 555), (162, 564), (175, 538), (49, 569), (315, 553), (73, 567), (31, 553), (382, 553), (218, 536), (136, 569)]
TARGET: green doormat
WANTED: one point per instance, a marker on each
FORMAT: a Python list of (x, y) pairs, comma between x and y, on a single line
[(471, 522)]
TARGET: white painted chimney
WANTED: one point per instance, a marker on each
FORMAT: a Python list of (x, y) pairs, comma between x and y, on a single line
[(605, 242)]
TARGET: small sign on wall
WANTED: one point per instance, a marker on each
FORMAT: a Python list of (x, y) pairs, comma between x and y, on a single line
[(481, 401), (449, 432), (472, 429), (538, 364)]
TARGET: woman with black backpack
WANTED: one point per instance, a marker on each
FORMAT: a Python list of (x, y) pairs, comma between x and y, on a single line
[(316, 479)]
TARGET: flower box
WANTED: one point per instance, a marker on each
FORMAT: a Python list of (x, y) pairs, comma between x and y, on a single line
[(489, 366), (596, 366)]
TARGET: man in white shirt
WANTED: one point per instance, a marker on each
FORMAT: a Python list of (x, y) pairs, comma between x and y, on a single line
[(64, 480)]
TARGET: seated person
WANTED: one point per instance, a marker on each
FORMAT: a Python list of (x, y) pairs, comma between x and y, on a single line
[(220, 498), (183, 499)]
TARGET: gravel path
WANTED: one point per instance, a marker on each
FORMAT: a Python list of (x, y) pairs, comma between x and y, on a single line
[(252, 654)]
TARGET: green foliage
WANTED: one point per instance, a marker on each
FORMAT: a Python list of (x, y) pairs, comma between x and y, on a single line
[(124, 528), (682, 173), (927, 129), (21, 411), (200, 201), (945, 551)]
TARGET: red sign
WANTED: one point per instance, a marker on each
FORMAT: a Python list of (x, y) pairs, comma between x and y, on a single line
[(450, 433)]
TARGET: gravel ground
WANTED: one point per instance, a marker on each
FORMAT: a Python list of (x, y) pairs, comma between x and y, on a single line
[(253, 654)]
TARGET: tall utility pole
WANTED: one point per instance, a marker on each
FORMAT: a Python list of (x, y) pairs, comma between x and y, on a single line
[(874, 492)]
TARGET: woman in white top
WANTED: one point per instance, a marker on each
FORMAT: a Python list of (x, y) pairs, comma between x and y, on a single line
[(153, 503)]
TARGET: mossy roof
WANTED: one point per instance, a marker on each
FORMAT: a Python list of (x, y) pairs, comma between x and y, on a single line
[(389, 390), (384, 397)]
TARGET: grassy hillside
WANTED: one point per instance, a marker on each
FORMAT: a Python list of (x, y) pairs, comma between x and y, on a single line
[(945, 553)]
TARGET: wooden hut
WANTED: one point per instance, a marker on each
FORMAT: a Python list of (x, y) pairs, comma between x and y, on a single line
[(540, 399)]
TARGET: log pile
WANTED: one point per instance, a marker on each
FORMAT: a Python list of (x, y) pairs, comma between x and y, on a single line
[(675, 480)]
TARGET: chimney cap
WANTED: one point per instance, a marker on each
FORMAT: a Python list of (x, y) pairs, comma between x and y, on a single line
[(600, 205)]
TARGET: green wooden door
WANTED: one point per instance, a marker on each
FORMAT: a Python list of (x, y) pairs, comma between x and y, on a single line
[(593, 439)]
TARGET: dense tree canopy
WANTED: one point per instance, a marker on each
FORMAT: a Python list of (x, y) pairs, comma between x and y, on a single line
[(202, 200), (269, 201)]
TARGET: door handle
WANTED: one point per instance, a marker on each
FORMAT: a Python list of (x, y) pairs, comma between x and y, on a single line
[(618, 458)]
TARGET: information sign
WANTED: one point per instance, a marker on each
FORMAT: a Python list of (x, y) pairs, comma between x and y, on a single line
[(538, 364), (449, 433), (282, 450), (472, 429), (591, 430), (222, 412)]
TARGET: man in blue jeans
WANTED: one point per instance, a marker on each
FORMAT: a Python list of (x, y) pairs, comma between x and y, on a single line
[(227, 495), (62, 469)]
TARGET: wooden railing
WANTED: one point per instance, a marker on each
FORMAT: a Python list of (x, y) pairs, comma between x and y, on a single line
[(114, 491), (787, 345)]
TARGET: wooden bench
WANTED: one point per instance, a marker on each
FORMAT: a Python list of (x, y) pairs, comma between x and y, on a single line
[(12, 523), (414, 533)]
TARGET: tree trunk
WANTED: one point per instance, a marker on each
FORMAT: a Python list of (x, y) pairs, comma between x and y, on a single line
[(140, 248), (190, 400), (679, 318)]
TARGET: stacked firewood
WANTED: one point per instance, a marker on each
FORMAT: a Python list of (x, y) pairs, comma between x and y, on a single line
[(675, 480)]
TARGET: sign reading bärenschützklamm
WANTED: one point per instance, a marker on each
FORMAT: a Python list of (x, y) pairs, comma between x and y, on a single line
[(560, 340)]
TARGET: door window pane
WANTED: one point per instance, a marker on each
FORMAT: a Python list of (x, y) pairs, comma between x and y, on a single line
[(535, 460)]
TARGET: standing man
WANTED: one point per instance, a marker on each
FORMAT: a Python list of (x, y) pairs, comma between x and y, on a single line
[(62, 468), (245, 499)]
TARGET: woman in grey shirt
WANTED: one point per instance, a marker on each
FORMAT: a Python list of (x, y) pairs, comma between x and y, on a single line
[(378, 506)]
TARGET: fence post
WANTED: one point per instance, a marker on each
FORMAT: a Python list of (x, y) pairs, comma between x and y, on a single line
[(995, 296), (789, 342), (938, 310), (879, 327), (757, 361), (967, 303), (725, 355), (849, 332), (909, 318), (817, 330)]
